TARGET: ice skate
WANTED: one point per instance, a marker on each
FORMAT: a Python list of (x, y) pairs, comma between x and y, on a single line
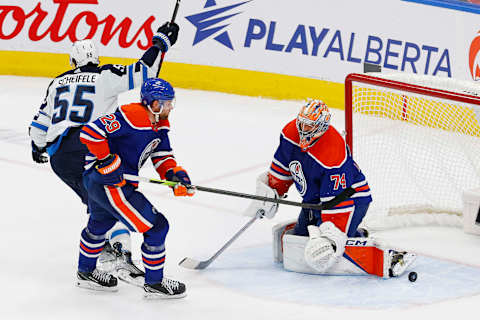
[(108, 259), (400, 261), (167, 289), (126, 270), (96, 280)]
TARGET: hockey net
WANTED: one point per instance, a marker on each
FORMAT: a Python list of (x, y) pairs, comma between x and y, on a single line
[(417, 139)]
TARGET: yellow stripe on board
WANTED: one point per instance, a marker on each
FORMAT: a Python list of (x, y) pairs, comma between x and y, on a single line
[(189, 76)]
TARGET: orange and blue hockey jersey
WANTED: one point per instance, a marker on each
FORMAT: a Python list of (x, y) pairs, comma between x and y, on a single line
[(320, 173), (128, 133)]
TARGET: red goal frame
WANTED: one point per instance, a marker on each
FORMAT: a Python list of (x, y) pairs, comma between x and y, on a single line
[(397, 85)]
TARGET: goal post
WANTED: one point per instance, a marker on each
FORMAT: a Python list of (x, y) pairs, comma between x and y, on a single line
[(417, 139)]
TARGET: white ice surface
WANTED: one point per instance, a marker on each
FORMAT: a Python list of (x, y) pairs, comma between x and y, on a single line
[(224, 141)]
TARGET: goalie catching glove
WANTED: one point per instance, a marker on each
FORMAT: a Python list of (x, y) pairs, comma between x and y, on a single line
[(166, 36), (326, 245), (266, 208), (111, 170), (183, 187)]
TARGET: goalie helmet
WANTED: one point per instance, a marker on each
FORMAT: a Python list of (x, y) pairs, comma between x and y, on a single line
[(83, 52), (312, 122)]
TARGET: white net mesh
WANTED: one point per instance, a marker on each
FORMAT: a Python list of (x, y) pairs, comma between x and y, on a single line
[(418, 152)]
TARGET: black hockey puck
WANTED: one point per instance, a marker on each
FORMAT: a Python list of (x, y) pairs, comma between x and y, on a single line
[(412, 276)]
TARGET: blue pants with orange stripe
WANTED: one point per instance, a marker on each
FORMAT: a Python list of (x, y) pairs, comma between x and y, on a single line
[(107, 205), (314, 217)]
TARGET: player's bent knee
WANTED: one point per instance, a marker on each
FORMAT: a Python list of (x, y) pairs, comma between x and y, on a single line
[(158, 232)]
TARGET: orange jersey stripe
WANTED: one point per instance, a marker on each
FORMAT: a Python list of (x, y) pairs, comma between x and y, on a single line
[(92, 133), (285, 172), (99, 149), (365, 187), (345, 203), (164, 167)]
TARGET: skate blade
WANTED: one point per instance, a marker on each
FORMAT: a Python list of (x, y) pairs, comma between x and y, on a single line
[(93, 286), (125, 276), (162, 296)]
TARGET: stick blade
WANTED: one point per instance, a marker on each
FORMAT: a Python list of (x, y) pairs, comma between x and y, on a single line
[(193, 264)]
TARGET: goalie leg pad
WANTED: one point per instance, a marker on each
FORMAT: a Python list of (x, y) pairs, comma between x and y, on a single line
[(278, 232), (362, 256)]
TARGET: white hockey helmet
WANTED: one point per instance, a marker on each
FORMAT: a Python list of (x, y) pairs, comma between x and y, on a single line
[(83, 52)]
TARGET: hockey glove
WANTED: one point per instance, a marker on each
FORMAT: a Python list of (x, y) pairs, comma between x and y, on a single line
[(264, 208), (38, 154), (111, 170), (166, 36), (183, 188)]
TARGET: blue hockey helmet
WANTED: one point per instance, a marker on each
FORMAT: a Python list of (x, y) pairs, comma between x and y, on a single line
[(156, 89)]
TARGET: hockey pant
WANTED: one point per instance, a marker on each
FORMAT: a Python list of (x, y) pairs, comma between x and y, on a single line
[(108, 205), (68, 160), (346, 219)]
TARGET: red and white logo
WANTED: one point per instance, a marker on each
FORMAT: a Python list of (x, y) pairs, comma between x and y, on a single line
[(474, 58), (59, 25)]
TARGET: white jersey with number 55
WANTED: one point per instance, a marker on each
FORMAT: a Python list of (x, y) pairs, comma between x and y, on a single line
[(83, 94)]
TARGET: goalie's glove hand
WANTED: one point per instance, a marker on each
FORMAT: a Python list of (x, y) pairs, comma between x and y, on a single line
[(166, 36), (38, 154), (263, 208), (183, 187), (111, 170)]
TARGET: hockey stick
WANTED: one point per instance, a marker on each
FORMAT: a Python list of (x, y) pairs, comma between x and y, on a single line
[(341, 197), (190, 263), (175, 11)]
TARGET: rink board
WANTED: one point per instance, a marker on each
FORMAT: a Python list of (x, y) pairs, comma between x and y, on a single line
[(253, 272)]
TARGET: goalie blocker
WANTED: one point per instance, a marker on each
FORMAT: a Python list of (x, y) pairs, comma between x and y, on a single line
[(361, 256)]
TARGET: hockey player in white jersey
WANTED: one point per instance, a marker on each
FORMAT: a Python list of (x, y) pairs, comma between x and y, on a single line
[(79, 96)]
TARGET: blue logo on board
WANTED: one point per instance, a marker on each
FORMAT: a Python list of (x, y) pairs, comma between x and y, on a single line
[(207, 23)]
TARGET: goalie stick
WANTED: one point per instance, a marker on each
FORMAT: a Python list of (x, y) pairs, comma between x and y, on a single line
[(175, 11), (347, 193), (190, 263)]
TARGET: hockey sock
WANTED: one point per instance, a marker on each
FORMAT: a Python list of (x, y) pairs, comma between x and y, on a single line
[(120, 234), (153, 260), (91, 247)]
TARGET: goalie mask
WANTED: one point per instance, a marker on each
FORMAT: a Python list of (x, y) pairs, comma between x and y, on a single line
[(83, 52), (155, 89), (312, 122)]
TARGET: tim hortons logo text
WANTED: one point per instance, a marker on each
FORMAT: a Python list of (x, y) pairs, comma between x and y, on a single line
[(87, 20)]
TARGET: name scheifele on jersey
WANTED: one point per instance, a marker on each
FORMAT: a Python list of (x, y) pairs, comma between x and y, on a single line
[(83, 77)]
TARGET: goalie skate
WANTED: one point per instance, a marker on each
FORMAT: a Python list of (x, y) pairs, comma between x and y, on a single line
[(167, 289), (125, 269), (96, 280), (400, 261)]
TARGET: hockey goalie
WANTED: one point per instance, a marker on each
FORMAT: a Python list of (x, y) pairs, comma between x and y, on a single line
[(314, 156)]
